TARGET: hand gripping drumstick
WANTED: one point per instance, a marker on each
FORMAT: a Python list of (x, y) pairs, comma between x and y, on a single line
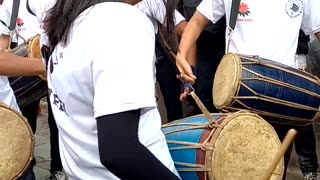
[(282, 150), (201, 106)]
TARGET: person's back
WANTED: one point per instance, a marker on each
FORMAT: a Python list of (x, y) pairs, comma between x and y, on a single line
[(77, 124)]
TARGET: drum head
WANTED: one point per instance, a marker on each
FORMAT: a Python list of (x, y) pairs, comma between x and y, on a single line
[(226, 80), (34, 48), (16, 143), (244, 148)]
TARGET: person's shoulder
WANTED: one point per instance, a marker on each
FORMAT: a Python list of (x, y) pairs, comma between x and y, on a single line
[(40, 7), (116, 8), (7, 4), (118, 12)]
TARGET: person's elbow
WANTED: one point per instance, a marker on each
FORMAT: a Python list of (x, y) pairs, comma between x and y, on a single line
[(199, 20)]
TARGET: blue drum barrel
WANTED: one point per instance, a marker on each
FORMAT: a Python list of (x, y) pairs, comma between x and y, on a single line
[(242, 149), (273, 90)]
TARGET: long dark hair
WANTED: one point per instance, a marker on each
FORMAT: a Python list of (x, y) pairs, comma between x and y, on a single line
[(61, 16), (167, 29)]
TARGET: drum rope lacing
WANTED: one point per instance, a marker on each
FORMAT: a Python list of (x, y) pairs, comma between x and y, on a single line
[(204, 146), (259, 77)]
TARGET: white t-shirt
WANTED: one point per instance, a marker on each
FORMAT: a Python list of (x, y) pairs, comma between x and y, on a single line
[(156, 11), (40, 9), (106, 72), (27, 24), (6, 94), (269, 29)]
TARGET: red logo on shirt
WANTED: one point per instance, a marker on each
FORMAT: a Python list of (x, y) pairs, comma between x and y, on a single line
[(20, 22), (244, 10), (244, 13)]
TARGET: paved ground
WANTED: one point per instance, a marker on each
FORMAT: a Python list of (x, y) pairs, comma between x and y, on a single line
[(43, 156)]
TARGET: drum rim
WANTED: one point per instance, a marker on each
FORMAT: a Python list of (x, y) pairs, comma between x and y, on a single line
[(33, 42), (2, 105), (228, 101), (226, 120)]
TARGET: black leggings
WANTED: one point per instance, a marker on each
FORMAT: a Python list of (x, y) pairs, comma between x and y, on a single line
[(121, 151)]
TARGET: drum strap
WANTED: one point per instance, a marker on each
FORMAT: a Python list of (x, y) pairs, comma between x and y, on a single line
[(14, 14), (233, 19), (234, 13)]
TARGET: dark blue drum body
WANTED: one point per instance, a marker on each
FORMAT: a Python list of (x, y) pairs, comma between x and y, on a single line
[(277, 92), (28, 89)]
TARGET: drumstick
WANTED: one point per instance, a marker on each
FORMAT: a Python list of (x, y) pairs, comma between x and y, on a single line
[(204, 110), (282, 150), (201, 106)]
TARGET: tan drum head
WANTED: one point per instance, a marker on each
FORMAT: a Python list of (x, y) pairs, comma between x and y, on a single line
[(244, 148), (34, 47), (16, 143), (227, 80)]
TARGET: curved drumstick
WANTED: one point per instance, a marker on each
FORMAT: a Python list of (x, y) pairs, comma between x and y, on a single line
[(282, 150)]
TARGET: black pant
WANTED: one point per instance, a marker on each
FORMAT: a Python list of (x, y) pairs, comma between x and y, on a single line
[(170, 86), (305, 146), (28, 174), (30, 112), (55, 164)]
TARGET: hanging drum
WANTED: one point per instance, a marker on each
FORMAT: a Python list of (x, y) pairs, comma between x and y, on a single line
[(242, 149), (275, 91)]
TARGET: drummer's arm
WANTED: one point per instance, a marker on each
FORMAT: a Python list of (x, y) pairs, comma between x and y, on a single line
[(4, 41), (191, 33), (192, 55), (12, 65)]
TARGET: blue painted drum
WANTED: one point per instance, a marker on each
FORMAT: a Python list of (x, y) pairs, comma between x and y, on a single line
[(288, 95), (242, 148)]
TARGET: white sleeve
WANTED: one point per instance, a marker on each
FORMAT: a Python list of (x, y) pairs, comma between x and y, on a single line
[(311, 17), (40, 8), (157, 10), (122, 65), (178, 18), (213, 10), (5, 15)]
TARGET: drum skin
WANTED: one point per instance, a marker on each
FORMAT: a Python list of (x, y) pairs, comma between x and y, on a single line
[(275, 91), (242, 149), (16, 143)]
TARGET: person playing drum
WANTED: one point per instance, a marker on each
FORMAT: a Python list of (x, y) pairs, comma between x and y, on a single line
[(105, 109), (168, 23), (254, 34), (12, 65)]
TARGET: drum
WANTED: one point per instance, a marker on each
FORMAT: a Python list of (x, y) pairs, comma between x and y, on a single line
[(16, 143), (29, 89), (275, 91), (242, 149)]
